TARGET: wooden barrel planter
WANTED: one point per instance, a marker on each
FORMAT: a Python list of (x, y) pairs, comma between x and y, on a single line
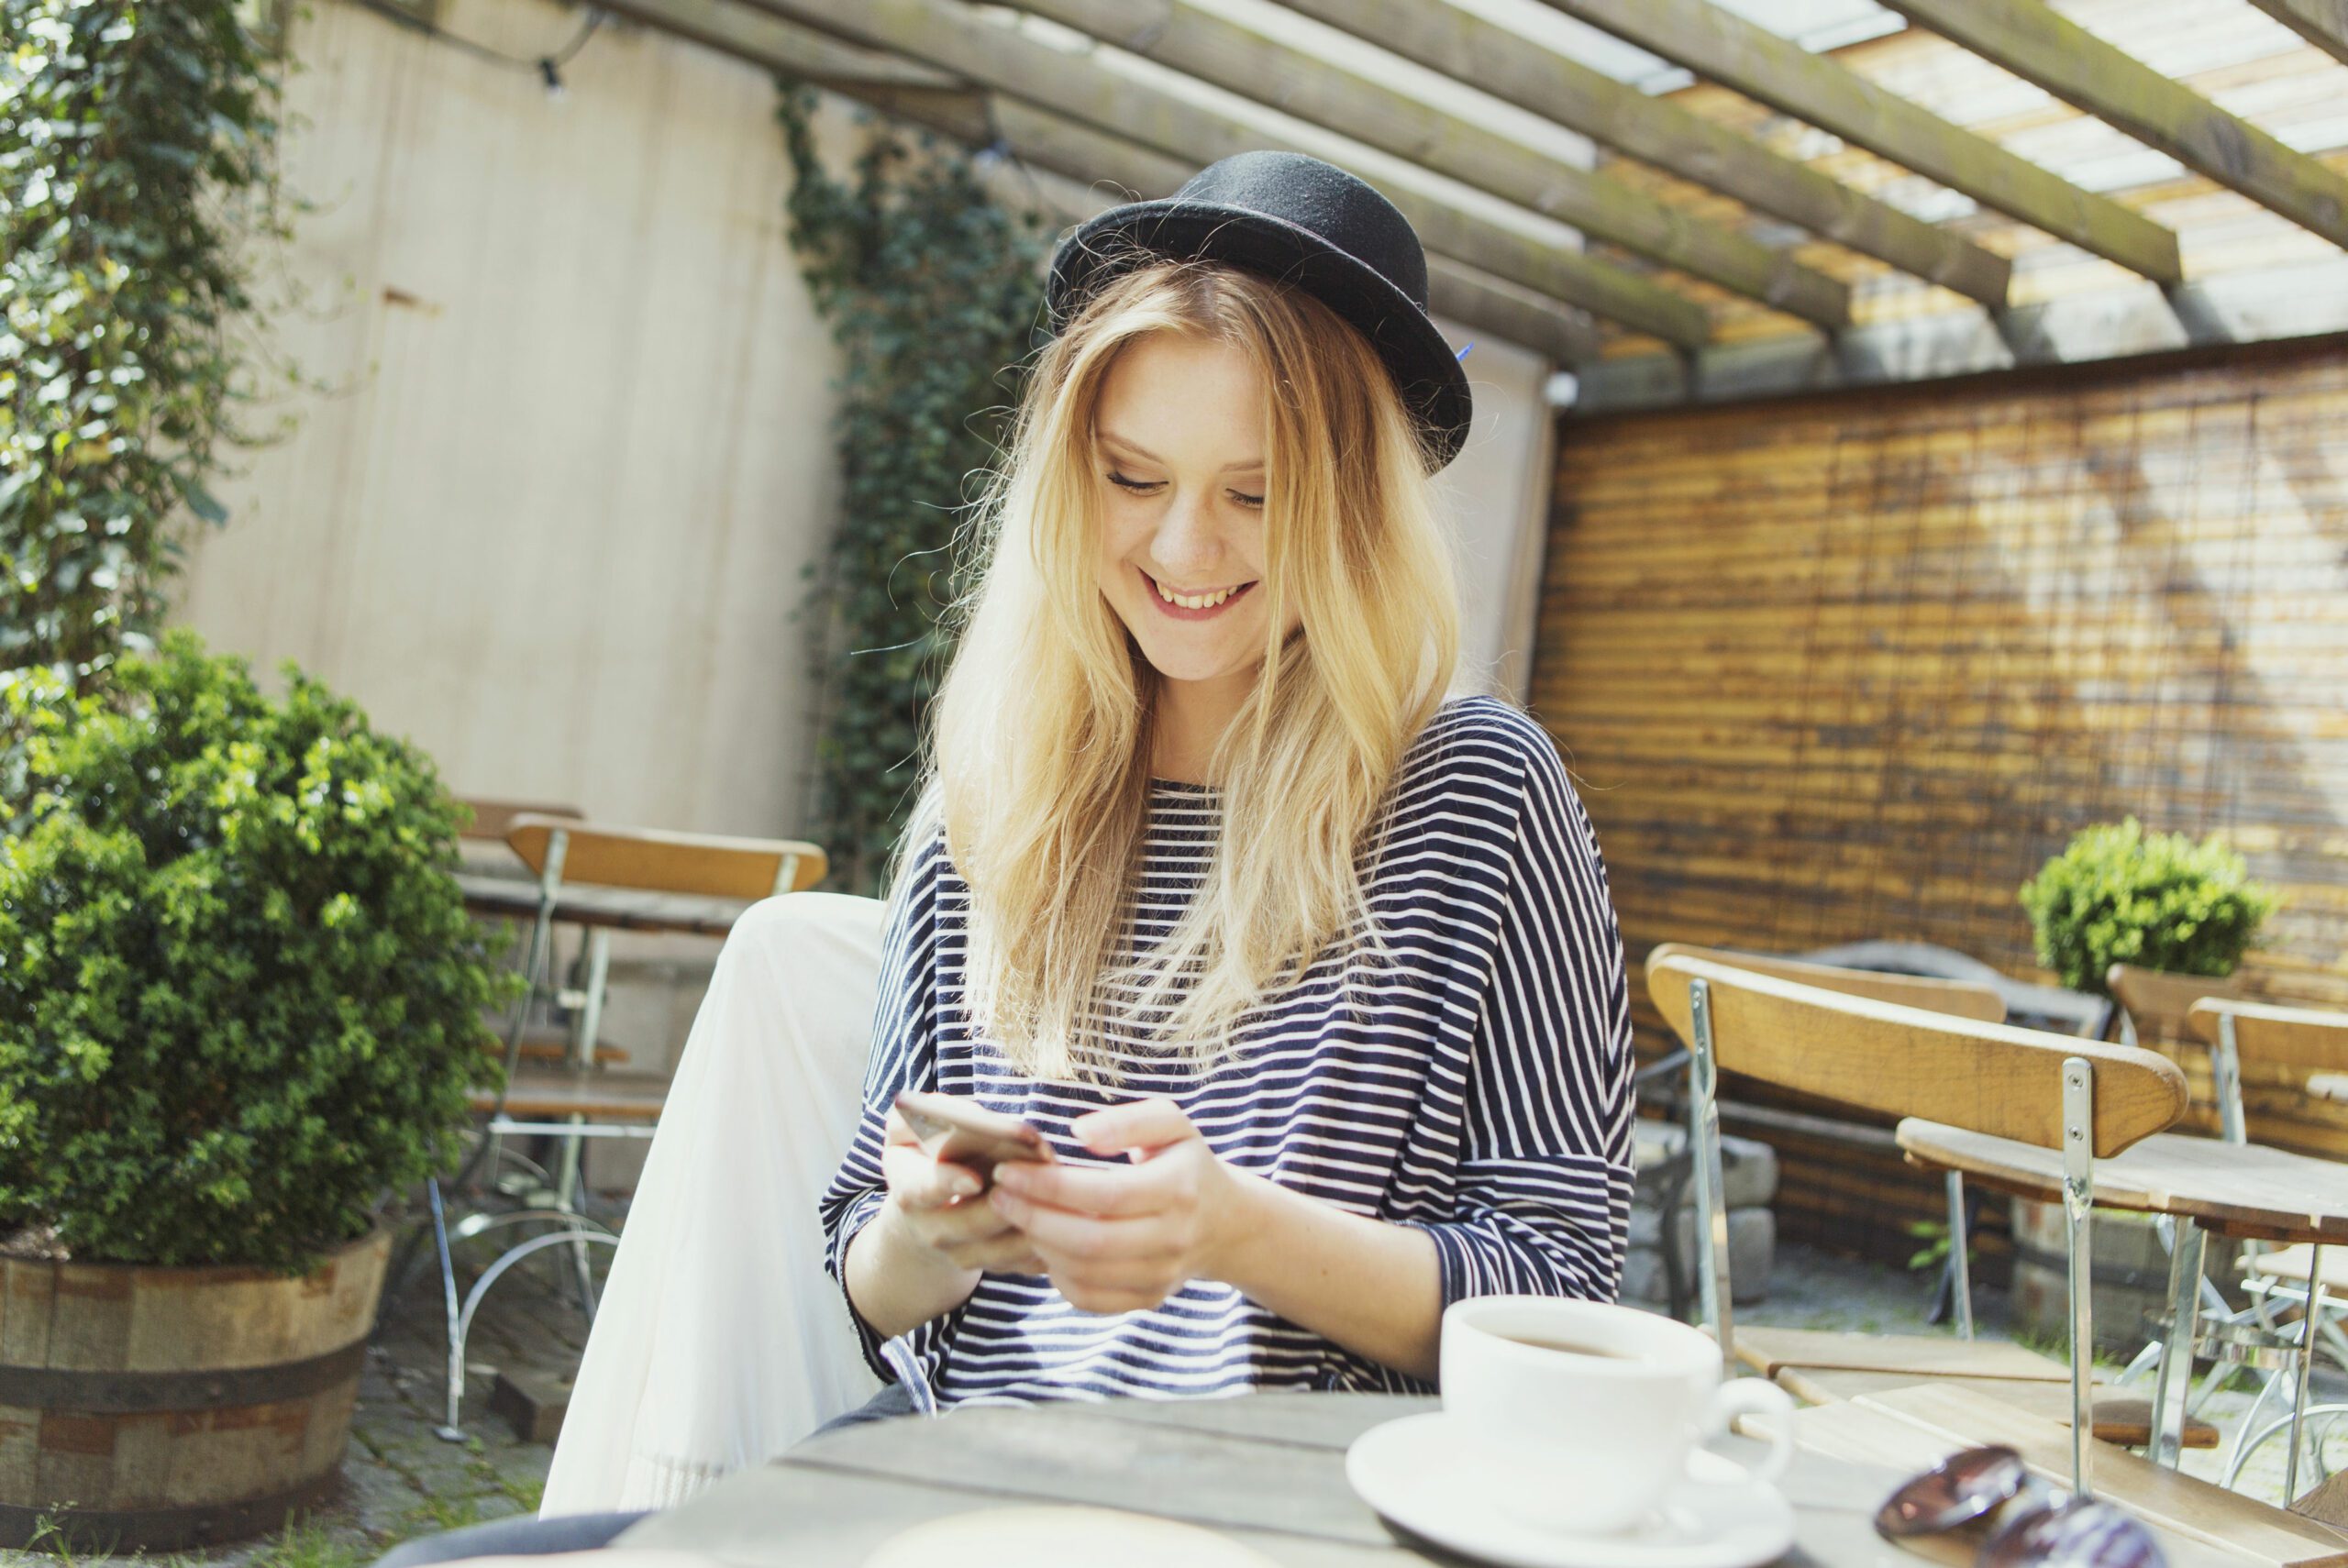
[(158, 1409)]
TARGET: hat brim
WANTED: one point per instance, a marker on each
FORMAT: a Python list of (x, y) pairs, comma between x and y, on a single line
[(1433, 384)]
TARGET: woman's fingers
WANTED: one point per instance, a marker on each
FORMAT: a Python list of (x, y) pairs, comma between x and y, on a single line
[(917, 1181), (1059, 1232), (1109, 1194), (1133, 1129)]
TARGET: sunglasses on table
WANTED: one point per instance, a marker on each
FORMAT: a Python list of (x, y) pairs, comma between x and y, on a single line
[(2035, 1525)]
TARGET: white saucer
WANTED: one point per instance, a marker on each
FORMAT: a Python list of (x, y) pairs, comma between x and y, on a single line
[(1418, 1474)]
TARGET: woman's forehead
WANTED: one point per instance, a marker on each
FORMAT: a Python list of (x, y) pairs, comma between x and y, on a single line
[(1174, 399)]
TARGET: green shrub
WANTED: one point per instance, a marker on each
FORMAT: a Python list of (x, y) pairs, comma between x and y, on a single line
[(241, 997), (2118, 895)]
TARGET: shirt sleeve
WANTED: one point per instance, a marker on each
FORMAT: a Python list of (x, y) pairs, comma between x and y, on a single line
[(1544, 1197), (905, 1056)]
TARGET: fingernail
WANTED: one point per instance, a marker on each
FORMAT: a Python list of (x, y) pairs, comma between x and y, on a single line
[(961, 1186), (1012, 1177)]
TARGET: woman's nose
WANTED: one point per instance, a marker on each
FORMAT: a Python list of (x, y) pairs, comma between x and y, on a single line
[(1186, 542)]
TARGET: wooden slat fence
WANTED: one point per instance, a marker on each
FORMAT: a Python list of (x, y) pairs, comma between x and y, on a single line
[(1855, 666)]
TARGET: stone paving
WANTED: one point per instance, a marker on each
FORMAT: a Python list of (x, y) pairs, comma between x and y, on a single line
[(401, 1480)]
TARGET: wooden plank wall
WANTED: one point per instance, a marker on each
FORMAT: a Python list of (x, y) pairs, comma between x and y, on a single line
[(1855, 666)]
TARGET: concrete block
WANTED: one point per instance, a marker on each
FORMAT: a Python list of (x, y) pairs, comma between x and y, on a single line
[(1748, 1168), (532, 1400), (1752, 1251)]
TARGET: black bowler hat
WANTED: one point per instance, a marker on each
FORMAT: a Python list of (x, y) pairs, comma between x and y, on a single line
[(1298, 220)]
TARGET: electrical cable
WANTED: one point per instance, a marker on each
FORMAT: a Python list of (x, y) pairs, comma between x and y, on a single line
[(546, 66)]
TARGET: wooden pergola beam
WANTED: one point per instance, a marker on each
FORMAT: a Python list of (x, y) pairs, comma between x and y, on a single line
[(759, 39), (1465, 293), (945, 103), (2324, 22), (1529, 74), (945, 34), (1779, 73), (2040, 44), (1241, 60)]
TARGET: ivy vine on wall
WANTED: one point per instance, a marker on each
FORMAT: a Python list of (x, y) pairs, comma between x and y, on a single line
[(138, 160), (933, 291)]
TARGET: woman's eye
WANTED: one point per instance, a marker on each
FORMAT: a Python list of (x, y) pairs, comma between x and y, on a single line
[(1143, 487)]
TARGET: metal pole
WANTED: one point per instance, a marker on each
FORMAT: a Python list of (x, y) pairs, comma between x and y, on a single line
[(2176, 1380), (2078, 1206), (586, 1026), (2307, 1363), (2225, 1066), (1960, 1267), (1704, 1150)]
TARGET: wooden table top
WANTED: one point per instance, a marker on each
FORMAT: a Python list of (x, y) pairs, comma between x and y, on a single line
[(1266, 1470), (2229, 1189), (620, 908)]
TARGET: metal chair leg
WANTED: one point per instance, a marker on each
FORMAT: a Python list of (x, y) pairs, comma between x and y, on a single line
[(1711, 1204), (462, 1325), (2171, 1389), (1960, 1267), (455, 1321), (2079, 1214), (2307, 1365)]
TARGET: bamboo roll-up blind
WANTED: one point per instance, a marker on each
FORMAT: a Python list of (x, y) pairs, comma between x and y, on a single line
[(1855, 666)]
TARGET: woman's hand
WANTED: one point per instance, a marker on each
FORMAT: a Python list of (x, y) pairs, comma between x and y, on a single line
[(1117, 1240), (937, 1206)]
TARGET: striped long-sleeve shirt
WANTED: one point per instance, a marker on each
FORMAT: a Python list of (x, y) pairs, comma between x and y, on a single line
[(1483, 1094)]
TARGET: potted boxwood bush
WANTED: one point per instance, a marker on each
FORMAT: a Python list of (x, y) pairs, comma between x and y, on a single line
[(2119, 895), (241, 1007)]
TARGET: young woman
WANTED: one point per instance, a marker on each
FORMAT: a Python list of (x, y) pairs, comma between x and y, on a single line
[(1304, 964), (1301, 960)]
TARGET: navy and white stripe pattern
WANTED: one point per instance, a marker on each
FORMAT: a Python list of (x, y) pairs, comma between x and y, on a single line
[(1482, 1093)]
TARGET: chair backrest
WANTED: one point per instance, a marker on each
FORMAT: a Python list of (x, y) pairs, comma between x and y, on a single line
[(655, 861), (1906, 1061), (2298, 1040), (494, 819), (2082, 1097), (2154, 1002), (1964, 998)]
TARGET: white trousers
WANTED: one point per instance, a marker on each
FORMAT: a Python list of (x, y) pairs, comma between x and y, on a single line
[(719, 1339)]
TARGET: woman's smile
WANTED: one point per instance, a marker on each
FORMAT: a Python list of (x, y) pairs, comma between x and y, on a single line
[(1194, 609)]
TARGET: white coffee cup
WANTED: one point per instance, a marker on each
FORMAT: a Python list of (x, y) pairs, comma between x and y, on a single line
[(1590, 1438)]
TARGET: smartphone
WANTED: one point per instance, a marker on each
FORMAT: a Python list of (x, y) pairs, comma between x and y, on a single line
[(956, 1127)]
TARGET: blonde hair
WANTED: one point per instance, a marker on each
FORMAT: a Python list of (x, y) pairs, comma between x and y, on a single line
[(1041, 729)]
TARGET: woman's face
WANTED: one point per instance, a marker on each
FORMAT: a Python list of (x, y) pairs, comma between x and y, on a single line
[(1179, 459)]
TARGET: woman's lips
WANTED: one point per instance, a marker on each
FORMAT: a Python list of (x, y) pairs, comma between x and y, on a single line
[(1181, 613)]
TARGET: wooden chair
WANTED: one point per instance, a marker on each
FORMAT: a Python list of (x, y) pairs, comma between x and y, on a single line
[(2298, 1043), (1813, 1366), (2153, 1007), (2087, 1099), (602, 877), (493, 818), (483, 838)]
